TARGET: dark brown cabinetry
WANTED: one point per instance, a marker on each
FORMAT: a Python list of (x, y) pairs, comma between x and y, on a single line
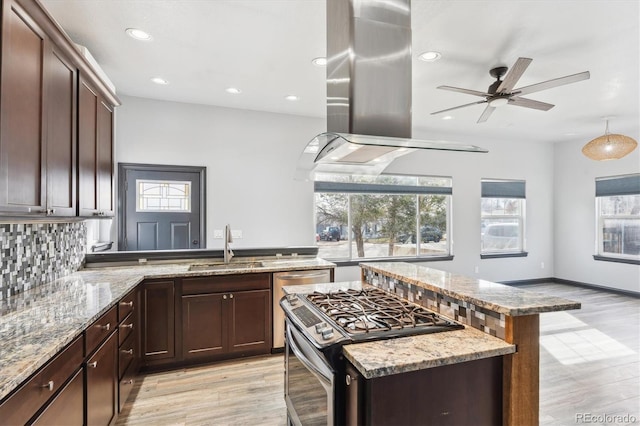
[(39, 112), (102, 380), (128, 345), (95, 153), (158, 322), (37, 121), (226, 316), (468, 393), (49, 388)]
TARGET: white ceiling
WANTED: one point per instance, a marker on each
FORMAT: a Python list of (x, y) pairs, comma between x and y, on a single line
[(265, 48)]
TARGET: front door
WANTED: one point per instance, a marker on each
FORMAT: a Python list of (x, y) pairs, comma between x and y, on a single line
[(163, 207)]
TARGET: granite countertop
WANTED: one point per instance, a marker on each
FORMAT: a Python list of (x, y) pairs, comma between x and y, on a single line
[(404, 354), (38, 323), (496, 297)]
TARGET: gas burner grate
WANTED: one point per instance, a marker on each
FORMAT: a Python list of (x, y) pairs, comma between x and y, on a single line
[(373, 310)]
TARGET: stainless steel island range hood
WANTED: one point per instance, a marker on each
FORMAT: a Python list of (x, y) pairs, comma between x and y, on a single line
[(368, 91)]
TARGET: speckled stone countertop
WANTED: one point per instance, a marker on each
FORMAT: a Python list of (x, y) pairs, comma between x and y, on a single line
[(404, 354), (38, 323), (496, 297)]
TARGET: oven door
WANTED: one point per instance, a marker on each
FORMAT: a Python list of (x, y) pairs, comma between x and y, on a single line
[(309, 382)]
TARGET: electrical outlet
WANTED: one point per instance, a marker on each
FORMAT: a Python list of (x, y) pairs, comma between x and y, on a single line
[(236, 233), (541, 265), (217, 233), (477, 269)]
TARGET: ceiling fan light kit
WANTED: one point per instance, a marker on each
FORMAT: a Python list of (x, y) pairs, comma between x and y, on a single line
[(610, 146), (502, 92)]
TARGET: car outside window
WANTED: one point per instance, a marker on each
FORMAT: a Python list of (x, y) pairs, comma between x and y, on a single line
[(502, 217)]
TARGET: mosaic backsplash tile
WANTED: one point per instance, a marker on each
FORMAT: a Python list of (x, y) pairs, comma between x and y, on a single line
[(490, 322), (36, 253)]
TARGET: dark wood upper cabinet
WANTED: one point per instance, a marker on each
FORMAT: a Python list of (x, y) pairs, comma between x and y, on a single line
[(95, 153), (41, 112)]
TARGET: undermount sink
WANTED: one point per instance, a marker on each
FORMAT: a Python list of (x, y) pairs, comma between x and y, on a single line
[(223, 266)]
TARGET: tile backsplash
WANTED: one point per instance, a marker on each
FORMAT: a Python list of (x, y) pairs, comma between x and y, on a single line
[(32, 254)]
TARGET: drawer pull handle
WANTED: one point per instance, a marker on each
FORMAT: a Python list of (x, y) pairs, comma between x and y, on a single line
[(129, 304), (127, 351), (126, 325), (106, 327), (48, 385), (231, 296), (128, 382), (224, 296), (93, 364)]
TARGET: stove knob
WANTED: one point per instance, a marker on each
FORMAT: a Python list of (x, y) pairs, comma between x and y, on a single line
[(327, 333), (321, 326), (292, 299)]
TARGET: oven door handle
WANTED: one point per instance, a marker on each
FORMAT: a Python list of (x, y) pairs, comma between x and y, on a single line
[(326, 381)]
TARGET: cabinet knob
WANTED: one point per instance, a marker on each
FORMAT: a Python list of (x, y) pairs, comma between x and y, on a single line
[(127, 351), (129, 304), (93, 364), (48, 385), (231, 296), (127, 326), (224, 296), (348, 379), (128, 382), (106, 327)]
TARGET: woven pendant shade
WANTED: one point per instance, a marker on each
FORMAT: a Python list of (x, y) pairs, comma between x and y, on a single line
[(609, 146)]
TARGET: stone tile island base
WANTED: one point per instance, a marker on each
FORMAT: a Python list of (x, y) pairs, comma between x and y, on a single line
[(505, 312)]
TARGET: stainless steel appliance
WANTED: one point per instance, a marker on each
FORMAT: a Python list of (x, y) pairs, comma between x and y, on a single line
[(319, 324), (281, 279)]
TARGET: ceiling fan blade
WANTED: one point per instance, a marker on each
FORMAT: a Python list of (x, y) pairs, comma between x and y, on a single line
[(530, 103), (553, 83), (466, 91), (486, 113), (514, 75), (459, 106)]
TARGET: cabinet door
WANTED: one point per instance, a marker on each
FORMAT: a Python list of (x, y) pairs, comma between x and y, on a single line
[(158, 319), (61, 135), (102, 383), (22, 121), (105, 159), (67, 407), (87, 150), (250, 322), (204, 327)]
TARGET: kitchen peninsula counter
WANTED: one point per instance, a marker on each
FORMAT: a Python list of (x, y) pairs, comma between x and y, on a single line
[(412, 353), (37, 323)]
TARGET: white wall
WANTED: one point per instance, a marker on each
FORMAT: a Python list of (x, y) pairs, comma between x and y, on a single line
[(575, 215), (251, 156), (250, 159)]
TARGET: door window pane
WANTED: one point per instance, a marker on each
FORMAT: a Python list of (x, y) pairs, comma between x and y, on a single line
[(163, 196)]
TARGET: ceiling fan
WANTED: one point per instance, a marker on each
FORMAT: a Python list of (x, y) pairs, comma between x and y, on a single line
[(501, 92)]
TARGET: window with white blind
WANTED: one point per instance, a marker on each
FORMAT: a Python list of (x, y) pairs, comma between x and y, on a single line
[(502, 218), (618, 218)]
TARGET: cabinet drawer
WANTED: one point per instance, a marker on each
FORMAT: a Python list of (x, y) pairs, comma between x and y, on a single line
[(126, 354), (67, 407), (125, 328), (100, 329), (125, 385), (224, 283), (34, 393), (126, 305)]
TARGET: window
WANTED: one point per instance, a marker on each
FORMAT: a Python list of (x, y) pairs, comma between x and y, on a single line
[(618, 217), (387, 216), (502, 217), (163, 196)]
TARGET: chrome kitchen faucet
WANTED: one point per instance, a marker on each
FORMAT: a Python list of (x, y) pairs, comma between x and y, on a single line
[(228, 253)]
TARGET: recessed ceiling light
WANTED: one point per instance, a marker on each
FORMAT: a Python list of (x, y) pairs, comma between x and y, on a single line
[(233, 90), (138, 34), (448, 117), (159, 80), (319, 62), (291, 97), (429, 56)]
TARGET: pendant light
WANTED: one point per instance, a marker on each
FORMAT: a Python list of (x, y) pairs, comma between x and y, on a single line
[(609, 146)]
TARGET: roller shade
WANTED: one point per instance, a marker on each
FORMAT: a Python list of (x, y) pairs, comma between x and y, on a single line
[(622, 185), (503, 189), (370, 188)]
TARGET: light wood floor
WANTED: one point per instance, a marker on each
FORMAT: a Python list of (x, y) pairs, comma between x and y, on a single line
[(589, 365)]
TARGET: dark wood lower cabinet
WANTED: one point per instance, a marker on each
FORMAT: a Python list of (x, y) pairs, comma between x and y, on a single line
[(67, 407), (204, 328), (250, 325), (102, 383), (158, 322), (468, 393)]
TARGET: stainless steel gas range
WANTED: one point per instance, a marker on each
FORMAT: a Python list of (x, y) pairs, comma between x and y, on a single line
[(318, 325)]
